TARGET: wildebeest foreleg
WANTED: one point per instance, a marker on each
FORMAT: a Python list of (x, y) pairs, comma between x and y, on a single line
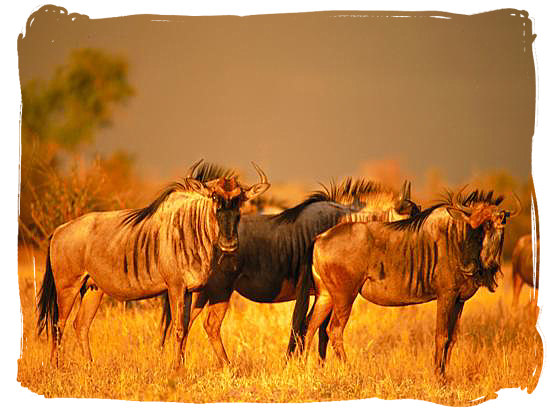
[(449, 310), (453, 328), (84, 317), (518, 283), (197, 304), (212, 325), (176, 297)]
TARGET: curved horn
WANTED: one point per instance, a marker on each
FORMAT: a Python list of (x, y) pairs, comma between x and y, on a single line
[(259, 188), (456, 204), (192, 168), (408, 192), (402, 194), (263, 177), (518, 207)]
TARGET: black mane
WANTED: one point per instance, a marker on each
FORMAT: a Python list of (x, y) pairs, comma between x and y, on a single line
[(204, 173), (480, 196), (207, 172), (352, 189), (415, 222), (263, 201), (349, 190), (291, 214)]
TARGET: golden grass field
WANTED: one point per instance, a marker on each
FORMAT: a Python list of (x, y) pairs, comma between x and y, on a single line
[(390, 353)]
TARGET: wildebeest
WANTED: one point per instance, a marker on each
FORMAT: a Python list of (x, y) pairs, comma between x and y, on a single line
[(275, 251), (445, 252), (264, 206), (170, 245), (522, 266)]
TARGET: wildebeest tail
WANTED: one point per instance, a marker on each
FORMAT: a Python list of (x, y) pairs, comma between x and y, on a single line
[(166, 318), (48, 313), (299, 316)]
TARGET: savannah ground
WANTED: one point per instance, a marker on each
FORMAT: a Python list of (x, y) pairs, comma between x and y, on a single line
[(390, 352)]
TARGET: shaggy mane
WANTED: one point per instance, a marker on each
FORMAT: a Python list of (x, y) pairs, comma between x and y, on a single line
[(415, 222), (348, 192), (204, 173)]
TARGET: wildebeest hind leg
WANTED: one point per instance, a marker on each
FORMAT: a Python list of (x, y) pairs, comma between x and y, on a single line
[(338, 321), (323, 338), (65, 301), (320, 311), (86, 313)]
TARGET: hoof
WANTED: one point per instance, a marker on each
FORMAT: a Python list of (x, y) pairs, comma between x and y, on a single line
[(179, 371), (441, 378)]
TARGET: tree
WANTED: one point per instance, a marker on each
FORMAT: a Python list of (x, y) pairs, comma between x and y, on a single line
[(59, 117), (67, 110)]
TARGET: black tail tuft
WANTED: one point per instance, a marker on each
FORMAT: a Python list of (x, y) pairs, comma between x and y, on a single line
[(48, 313), (299, 316)]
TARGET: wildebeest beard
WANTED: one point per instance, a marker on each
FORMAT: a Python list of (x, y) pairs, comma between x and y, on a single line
[(481, 254), (223, 261), (492, 249)]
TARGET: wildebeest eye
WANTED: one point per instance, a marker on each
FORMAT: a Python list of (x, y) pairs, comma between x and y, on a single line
[(504, 215), (214, 197)]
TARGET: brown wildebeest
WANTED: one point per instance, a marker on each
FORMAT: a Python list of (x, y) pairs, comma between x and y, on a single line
[(522, 267), (275, 251), (170, 245), (445, 252)]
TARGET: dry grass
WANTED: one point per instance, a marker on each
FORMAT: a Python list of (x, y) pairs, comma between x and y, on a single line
[(390, 354)]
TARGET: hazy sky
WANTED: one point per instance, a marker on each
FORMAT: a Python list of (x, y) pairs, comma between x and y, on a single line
[(314, 95)]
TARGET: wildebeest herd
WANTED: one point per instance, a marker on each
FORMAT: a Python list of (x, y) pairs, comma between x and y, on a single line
[(191, 246)]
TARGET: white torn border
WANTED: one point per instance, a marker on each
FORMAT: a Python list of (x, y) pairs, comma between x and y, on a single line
[(15, 20)]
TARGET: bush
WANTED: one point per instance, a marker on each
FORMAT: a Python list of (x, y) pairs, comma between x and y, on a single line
[(63, 196)]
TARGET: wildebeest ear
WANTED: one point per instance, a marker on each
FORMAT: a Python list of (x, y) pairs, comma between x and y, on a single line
[(198, 187), (256, 190)]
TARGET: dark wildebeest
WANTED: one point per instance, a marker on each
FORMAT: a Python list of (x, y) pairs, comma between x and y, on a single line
[(522, 266), (445, 252), (169, 245), (264, 206), (275, 251)]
